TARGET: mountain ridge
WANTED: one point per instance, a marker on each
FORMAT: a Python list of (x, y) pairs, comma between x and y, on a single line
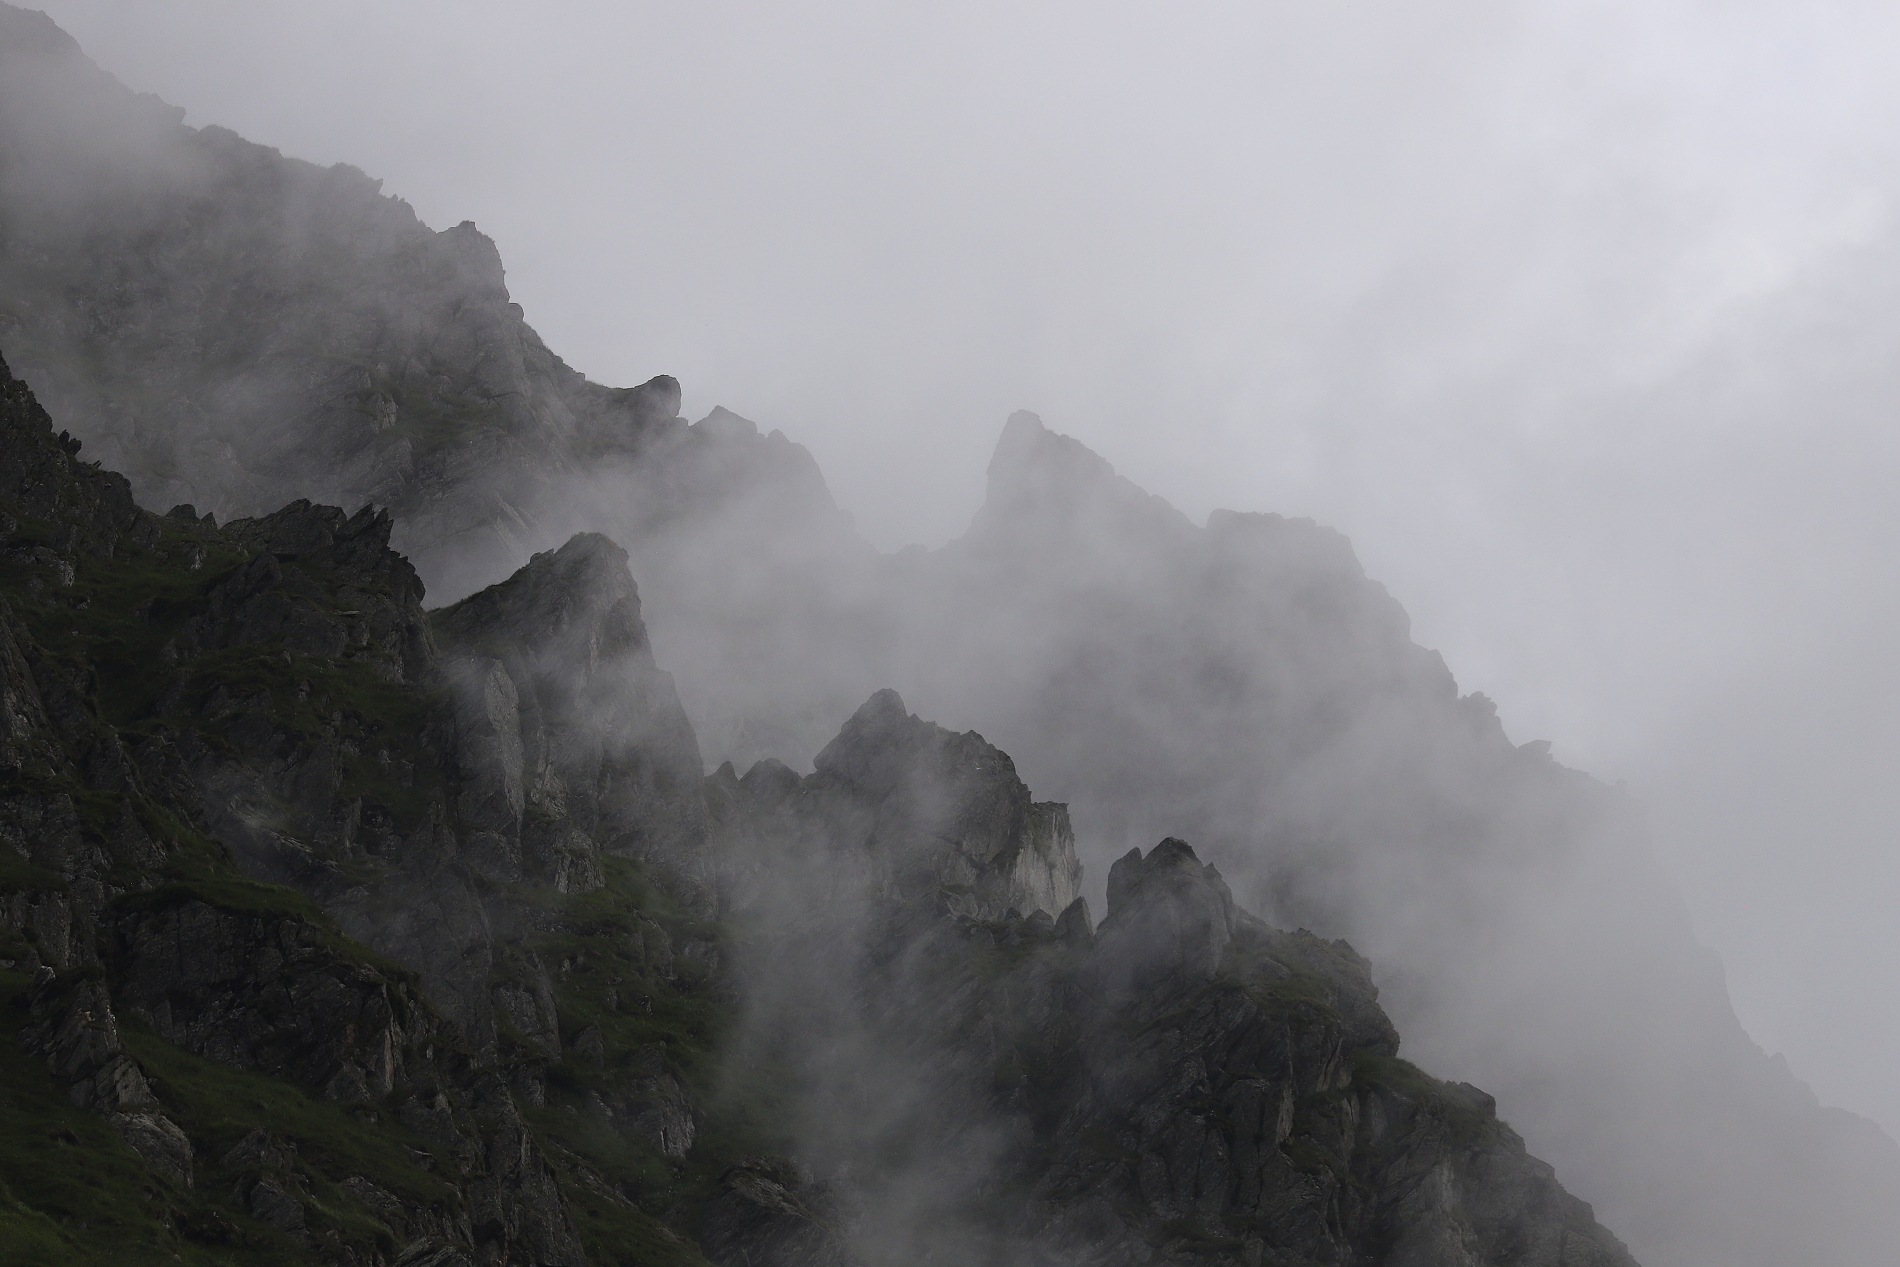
[(376, 936), (1240, 683)]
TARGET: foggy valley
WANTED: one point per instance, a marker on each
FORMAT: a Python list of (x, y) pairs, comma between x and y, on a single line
[(1383, 754)]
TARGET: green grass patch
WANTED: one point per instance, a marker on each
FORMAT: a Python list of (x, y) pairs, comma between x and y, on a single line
[(218, 1106), (72, 1192), (591, 950), (428, 417), (119, 612)]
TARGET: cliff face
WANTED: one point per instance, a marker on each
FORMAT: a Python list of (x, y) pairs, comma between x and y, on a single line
[(573, 741)]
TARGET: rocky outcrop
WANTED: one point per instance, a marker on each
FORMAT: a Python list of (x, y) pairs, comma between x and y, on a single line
[(769, 1214), (573, 741), (269, 992), (1183, 1084), (74, 1028), (901, 808), (1241, 1088)]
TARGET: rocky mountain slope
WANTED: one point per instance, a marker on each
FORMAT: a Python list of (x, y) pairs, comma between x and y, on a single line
[(270, 1007), (1243, 684), (338, 931), (392, 363), (1183, 1084), (239, 329)]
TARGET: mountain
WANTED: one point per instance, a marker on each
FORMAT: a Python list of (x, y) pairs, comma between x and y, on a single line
[(240, 330), (1182, 1083), (393, 367), (335, 930)]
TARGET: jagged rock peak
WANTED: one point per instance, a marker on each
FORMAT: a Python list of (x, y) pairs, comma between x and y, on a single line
[(564, 715), (1054, 485), (24, 408), (657, 398), (769, 779), (1028, 447), (723, 424), (878, 745), (1169, 867), (479, 259), (950, 813), (1167, 912), (359, 542), (578, 599)]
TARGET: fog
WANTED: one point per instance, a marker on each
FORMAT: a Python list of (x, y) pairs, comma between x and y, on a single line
[(1574, 320)]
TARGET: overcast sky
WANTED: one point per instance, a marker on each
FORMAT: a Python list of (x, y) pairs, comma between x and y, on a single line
[(1579, 317)]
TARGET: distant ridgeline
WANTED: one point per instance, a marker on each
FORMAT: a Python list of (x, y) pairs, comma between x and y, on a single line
[(337, 930)]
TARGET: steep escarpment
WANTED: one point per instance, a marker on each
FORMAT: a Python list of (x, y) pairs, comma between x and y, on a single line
[(574, 742)]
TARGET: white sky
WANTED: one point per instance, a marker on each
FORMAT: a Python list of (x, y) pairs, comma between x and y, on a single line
[(1577, 316)]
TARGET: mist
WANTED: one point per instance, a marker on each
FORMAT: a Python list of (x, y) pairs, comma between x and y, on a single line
[(1571, 318), (1575, 322)]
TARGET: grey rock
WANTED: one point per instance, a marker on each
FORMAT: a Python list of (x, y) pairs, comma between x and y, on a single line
[(768, 1214), (270, 1203), (899, 807), (265, 993), (158, 1140), (597, 748), (261, 1150), (1184, 1084), (652, 1104), (525, 1000)]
